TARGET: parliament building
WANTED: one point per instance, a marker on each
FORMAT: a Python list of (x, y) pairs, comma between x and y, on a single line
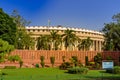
[(96, 36)]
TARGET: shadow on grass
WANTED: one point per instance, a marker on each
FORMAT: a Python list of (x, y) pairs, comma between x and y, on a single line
[(102, 76)]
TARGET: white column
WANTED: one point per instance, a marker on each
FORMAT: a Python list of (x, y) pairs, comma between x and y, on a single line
[(35, 44)]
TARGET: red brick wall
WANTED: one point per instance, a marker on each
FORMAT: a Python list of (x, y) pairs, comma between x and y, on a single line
[(33, 56)]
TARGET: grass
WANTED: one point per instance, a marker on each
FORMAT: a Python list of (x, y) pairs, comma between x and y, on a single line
[(52, 74)]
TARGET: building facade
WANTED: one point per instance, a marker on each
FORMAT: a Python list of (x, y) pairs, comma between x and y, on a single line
[(96, 36)]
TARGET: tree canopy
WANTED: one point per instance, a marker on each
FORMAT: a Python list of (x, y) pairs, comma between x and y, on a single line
[(112, 34), (7, 28), (5, 48), (23, 39)]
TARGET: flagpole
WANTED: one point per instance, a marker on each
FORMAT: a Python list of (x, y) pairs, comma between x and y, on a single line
[(48, 24)]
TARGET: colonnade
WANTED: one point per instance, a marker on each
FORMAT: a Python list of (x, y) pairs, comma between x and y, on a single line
[(96, 36)]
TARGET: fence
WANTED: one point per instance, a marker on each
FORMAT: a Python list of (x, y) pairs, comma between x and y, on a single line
[(33, 56)]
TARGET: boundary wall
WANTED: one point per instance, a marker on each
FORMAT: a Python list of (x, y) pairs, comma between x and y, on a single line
[(33, 56)]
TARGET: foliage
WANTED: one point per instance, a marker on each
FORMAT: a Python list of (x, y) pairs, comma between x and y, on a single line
[(109, 58), (98, 60), (65, 65), (86, 61), (85, 44), (63, 59), (78, 70), (69, 39), (23, 39), (49, 42), (52, 60), (21, 63), (42, 61), (5, 48), (10, 67), (37, 65), (7, 28), (2, 57), (74, 60), (91, 63), (14, 58), (116, 70), (42, 58), (112, 34), (55, 39), (43, 42)]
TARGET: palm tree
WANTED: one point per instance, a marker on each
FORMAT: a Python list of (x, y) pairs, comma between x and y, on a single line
[(54, 37), (69, 38), (43, 42), (85, 44), (58, 42)]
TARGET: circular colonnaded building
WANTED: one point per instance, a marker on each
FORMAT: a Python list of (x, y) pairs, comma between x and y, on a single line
[(96, 36)]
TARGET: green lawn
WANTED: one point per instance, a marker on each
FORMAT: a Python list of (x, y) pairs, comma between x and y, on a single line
[(52, 74)]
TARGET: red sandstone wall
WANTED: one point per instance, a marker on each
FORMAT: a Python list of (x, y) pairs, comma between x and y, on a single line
[(33, 56)]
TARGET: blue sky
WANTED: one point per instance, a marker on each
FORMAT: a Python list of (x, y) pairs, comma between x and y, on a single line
[(88, 14)]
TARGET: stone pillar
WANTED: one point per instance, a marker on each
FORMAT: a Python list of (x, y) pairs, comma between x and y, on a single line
[(63, 47), (35, 47), (97, 46), (93, 46), (100, 46)]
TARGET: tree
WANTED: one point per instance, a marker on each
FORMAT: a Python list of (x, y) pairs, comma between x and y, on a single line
[(116, 17), (112, 34), (55, 40), (85, 44), (23, 39), (8, 28), (5, 48), (43, 42), (69, 38)]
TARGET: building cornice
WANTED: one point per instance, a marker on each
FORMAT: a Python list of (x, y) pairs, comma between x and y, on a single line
[(63, 28)]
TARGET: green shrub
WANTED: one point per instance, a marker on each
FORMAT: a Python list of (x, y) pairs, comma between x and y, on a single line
[(65, 65), (89, 67), (42, 58), (37, 65), (21, 63), (52, 60), (116, 70), (2, 59), (86, 60), (42, 64), (97, 66), (98, 58), (63, 59), (10, 67), (91, 63), (78, 70), (14, 58), (109, 58), (74, 60)]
